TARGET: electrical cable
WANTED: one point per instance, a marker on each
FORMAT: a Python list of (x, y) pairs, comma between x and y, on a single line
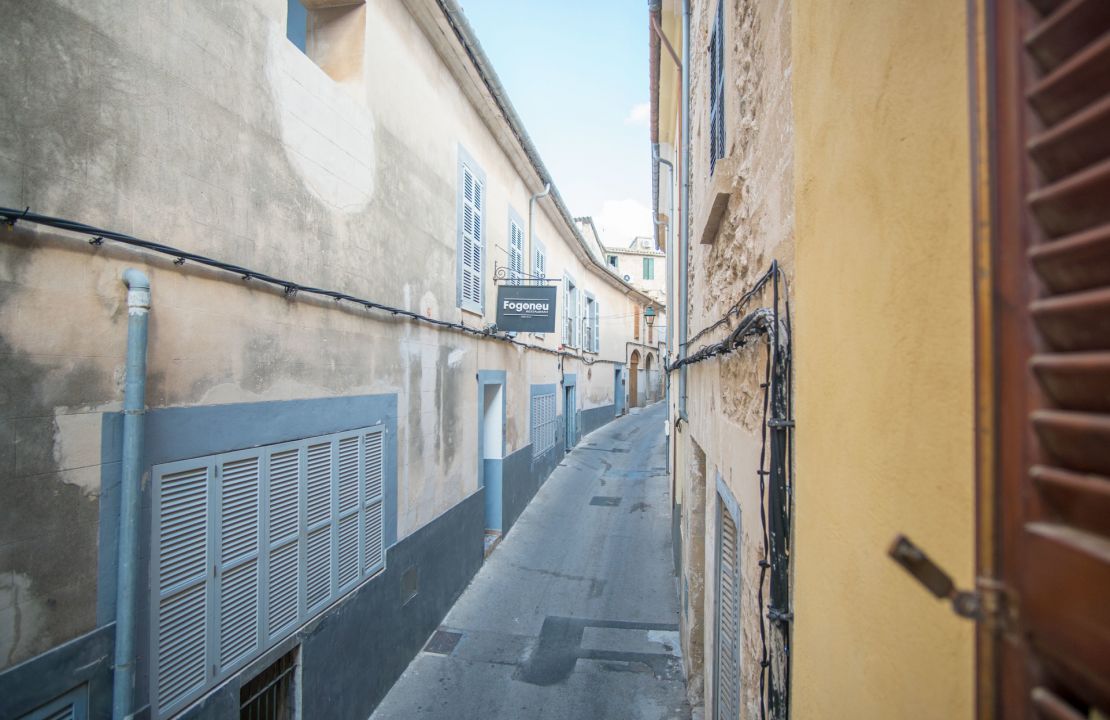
[(289, 287)]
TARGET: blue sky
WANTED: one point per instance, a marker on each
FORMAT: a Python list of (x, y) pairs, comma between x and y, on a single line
[(577, 74)]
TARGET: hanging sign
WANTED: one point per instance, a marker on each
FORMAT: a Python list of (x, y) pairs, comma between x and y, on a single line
[(523, 308)]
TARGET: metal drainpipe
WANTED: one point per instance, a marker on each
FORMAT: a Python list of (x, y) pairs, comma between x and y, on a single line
[(684, 224), (138, 310), (531, 229)]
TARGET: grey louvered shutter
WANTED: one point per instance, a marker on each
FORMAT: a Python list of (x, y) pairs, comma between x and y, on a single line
[(318, 524), (283, 589), (74, 705), (373, 501), (516, 252), (728, 617), (237, 576), (541, 261), (597, 327), (471, 272), (348, 498), (181, 597)]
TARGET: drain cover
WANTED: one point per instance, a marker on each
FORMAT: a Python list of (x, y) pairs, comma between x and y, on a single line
[(605, 500), (443, 642)]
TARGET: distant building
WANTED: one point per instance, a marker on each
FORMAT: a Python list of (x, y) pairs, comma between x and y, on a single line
[(640, 264)]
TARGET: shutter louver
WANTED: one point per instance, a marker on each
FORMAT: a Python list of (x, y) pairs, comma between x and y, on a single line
[(348, 553), (283, 587), (238, 577), (373, 499), (728, 619), (182, 516), (1062, 549), (318, 486), (471, 243), (516, 252)]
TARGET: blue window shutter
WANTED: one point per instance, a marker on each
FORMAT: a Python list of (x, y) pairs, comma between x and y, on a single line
[(373, 501), (318, 524), (237, 576), (284, 591), (348, 565), (516, 251), (74, 705), (181, 591)]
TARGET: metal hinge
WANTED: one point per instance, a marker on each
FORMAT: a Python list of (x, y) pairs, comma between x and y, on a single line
[(991, 602)]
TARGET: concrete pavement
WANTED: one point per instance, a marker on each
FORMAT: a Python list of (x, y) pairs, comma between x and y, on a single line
[(575, 614)]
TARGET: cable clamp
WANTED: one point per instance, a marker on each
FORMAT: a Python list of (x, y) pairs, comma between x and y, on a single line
[(179, 261), (764, 564), (764, 663), (781, 616), (96, 241), (780, 423), (12, 219)]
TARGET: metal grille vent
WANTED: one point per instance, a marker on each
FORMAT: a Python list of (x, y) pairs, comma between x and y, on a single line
[(271, 695)]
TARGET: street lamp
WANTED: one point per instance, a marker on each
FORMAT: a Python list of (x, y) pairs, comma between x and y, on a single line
[(649, 315)]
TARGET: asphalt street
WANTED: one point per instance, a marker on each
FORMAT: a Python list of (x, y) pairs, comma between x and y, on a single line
[(574, 614)]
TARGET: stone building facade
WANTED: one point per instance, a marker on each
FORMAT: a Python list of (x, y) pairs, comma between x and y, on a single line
[(374, 155)]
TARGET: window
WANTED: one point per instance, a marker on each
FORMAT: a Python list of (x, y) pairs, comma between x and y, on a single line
[(470, 238), (570, 312), (516, 251), (613, 261), (649, 268), (717, 90), (333, 37), (589, 325), (249, 545), (728, 611), (595, 325), (543, 419), (271, 694)]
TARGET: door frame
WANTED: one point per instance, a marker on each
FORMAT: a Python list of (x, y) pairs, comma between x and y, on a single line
[(490, 469), (570, 414)]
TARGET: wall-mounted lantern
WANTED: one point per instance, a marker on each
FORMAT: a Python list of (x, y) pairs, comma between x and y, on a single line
[(649, 315)]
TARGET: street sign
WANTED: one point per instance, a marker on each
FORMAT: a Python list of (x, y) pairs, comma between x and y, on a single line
[(524, 308)]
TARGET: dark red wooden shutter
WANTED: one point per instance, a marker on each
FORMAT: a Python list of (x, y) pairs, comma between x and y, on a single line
[(1053, 257)]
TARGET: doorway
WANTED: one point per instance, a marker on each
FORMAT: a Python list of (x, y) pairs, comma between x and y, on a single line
[(633, 380), (618, 391), (570, 411), (491, 442)]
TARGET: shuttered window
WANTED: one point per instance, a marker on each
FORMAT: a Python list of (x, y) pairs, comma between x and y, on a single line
[(1052, 253), (595, 322), (74, 705), (249, 545), (471, 249), (571, 313), (728, 615), (516, 252), (539, 267), (716, 91), (649, 268), (543, 420)]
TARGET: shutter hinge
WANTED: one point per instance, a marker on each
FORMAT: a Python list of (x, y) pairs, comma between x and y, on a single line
[(991, 602)]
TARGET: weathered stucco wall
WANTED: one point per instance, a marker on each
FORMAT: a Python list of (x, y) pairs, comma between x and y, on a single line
[(725, 400), (201, 126), (884, 356)]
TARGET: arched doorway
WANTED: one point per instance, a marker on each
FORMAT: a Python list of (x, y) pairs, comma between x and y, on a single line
[(633, 380), (649, 381)]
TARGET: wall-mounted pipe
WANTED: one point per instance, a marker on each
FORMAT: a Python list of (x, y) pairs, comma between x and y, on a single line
[(684, 222), (531, 225), (134, 406)]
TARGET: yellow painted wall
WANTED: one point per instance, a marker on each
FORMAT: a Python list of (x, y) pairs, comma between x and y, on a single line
[(883, 355)]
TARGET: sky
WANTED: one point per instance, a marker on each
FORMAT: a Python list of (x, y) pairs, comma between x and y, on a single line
[(577, 73)]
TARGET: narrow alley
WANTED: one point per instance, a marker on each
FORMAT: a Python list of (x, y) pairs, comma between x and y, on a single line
[(575, 614)]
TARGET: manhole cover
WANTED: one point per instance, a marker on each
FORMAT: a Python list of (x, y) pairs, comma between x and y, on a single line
[(443, 642), (605, 500)]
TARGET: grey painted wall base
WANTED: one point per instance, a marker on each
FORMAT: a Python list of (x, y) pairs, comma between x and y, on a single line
[(522, 477), (84, 660), (676, 537), (592, 419)]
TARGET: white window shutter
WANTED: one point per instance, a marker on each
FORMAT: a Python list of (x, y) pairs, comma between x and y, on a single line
[(373, 497), (597, 327), (471, 243), (283, 586), (237, 579), (318, 522), (516, 252)]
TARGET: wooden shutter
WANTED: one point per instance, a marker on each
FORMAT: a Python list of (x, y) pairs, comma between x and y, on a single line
[(181, 572), (1052, 323), (284, 592), (237, 573), (728, 615), (470, 279), (373, 501), (348, 566), (318, 519)]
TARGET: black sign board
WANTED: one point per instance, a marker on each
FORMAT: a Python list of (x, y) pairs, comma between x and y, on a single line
[(523, 308)]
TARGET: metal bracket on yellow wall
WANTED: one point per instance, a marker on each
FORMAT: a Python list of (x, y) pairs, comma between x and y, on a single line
[(991, 601)]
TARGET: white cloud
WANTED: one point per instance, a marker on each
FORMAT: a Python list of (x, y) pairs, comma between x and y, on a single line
[(639, 114), (622, 220)]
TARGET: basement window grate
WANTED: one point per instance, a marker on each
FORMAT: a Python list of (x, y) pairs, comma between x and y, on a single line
[(271, 695)]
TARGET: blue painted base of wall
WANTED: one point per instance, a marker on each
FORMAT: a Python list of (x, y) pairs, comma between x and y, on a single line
[(350, 655), (592, 419), (522, 477)]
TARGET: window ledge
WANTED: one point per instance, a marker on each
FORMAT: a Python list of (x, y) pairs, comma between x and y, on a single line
[(715, 201)]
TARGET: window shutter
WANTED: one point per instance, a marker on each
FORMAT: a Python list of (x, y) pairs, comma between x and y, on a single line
[(183, 615), (541, 261), (318, 521), (74, 705), (284, 592), (597, 327), (728, 616), (373, 498), (237, 579), (348, 567), (516, 252), (471, 243), (1053, 273), (568, 313)]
